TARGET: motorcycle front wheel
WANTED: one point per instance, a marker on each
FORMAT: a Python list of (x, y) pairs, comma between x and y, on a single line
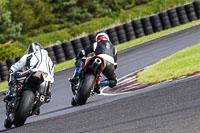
[(84, 92), (7, 123), (24, 109)]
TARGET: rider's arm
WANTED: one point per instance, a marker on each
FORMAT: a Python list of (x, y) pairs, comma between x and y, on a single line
[(89, 49), (18, 65)]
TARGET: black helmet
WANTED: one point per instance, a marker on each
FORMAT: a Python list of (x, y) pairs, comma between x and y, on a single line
[(102, 36), (33, 47)]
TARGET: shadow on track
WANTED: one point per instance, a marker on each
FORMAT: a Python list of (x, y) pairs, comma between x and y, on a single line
[(58, 110), (9, 129)]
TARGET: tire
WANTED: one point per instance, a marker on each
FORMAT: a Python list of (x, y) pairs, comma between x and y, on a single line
[(24, 109), (4, 68), (198, 14), (129, 29), (182, 15), (114, 40), (18, 58), (60, 60), (131, 36), (113, 36), (53, 57), (128, 25), (4, 75), (73, 102), (175, 22), (10, 62), (197, 5), (146, 22), (156, 23), (77, 47), (92, 37), (138, 28), (190, 10), (68, 50), (197, 8), (85, 41), (84, 92), (121, 34), (7, 123), (139, 33), (165, 21), (111, 30), (59, 53)]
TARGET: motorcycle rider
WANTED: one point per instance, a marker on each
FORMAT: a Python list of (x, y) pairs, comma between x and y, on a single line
[(36, 59), (104, 48)]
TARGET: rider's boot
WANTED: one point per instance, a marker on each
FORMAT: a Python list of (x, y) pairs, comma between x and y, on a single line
[(37, 112), (75, 78), (7, 123), (102, 84), (48, 97), (11, 93)]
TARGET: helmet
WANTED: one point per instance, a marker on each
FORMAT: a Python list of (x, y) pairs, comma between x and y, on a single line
[(33, 47), (102, 36)]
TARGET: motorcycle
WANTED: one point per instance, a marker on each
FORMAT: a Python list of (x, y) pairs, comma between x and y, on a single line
[(30, 95), (88, 80)]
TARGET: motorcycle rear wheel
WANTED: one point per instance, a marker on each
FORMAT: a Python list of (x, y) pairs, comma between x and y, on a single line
[(84, 92), (24, 109)]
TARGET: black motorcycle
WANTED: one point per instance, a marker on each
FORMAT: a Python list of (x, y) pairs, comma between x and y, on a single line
[(88, 82), (30, 95)]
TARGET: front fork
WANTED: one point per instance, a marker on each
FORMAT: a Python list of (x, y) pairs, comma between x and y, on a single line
[(11, 107)]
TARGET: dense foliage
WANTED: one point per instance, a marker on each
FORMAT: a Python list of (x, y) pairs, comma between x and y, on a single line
[(32, 14), (9, 50), (8, 28), (49, 21), (70, 12)]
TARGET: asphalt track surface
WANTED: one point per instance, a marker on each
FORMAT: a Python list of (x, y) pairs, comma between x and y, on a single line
[(168, 107)]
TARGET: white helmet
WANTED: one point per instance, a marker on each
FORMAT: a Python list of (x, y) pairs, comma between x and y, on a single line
[(33, 47), (102, 36)]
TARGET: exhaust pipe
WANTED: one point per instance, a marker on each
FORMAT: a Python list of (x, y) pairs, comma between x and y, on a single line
[(97, 62)]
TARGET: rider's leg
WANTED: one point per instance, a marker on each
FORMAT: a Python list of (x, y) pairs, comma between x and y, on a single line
[(11, 92), (79, 66), (109, 72), (48, 92)]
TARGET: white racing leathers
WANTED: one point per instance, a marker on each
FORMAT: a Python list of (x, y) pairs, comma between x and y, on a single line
[(37, 61)]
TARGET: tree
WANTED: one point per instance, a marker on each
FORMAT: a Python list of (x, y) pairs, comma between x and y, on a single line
[(70, 12), (8, 29), (32, 14), (9, 50)]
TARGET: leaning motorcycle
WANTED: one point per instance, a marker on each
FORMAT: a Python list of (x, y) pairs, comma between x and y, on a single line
[(30, 95), (88, 80)]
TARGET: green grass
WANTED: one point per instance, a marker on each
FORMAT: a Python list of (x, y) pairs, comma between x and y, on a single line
[(3, 85), (70, 63), (182, 63), (64, 65)]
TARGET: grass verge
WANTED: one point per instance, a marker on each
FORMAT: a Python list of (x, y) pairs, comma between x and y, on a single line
[(183, 63), (66, 64)]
